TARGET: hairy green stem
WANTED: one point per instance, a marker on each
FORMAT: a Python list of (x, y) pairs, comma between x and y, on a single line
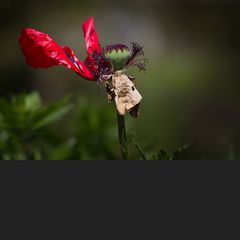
[(122, 137)]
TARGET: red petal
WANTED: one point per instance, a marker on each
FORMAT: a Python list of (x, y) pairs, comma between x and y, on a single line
[(91, 37), (42, 51), (82, 69)]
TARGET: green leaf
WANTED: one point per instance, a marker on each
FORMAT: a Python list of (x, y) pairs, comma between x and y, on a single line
[(51, 113), (32, 102), (162, 155), (138, 148)]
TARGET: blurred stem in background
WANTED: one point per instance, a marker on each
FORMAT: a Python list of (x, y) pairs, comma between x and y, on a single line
[(122, 137)]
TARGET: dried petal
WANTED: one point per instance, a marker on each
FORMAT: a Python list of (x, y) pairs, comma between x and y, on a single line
[(127, 97)]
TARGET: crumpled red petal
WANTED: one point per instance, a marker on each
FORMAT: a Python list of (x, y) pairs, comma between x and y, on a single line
[(42, 51), (91, 37), (82, 69)]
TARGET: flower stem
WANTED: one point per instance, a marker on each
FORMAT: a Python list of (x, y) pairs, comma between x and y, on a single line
[(122, 137)]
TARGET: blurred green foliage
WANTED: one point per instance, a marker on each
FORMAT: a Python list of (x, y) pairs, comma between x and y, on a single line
[(33, 130), (65, 129), (23, 122)]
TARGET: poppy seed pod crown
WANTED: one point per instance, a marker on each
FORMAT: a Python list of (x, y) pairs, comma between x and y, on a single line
[(118, 55)]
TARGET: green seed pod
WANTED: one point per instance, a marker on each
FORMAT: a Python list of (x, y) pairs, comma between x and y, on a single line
[(118, 55)]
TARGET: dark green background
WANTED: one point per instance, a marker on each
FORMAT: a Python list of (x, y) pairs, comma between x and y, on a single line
[(190, 89)]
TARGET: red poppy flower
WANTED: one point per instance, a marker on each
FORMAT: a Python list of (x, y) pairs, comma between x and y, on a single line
[(42, 51)]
